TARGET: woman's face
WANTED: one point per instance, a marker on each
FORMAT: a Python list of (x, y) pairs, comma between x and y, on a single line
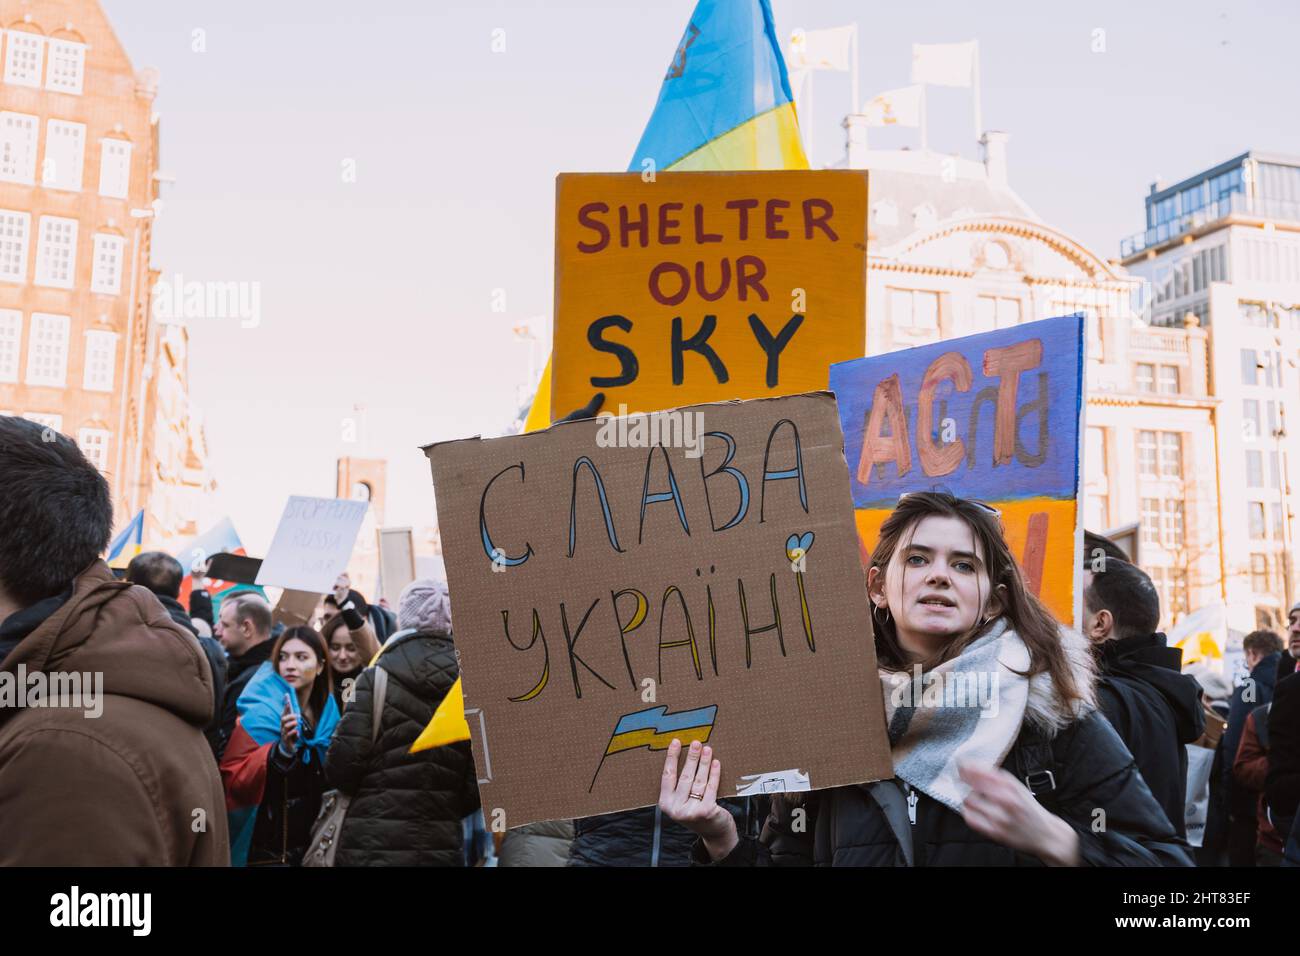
[(936, 586), (344, 655), (298, 664)]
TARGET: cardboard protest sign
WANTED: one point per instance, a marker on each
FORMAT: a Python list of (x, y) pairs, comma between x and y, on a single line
[(295, 607), (312, 543), (703, 287), (996, 417), (692, 573)]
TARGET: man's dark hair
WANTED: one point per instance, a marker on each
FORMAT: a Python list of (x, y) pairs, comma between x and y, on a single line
[(159, 572), (56, 513), (1262, 643), (1128, 594)]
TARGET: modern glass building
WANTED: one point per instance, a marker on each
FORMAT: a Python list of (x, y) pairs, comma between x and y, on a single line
[(1224, 245)]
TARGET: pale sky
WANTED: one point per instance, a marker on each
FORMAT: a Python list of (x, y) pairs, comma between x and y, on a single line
[(379, 292)]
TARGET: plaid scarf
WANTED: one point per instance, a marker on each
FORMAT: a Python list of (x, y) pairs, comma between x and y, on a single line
[(968, 709)]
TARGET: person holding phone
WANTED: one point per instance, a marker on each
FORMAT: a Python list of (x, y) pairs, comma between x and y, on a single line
[(273, 766), (1042, 779)]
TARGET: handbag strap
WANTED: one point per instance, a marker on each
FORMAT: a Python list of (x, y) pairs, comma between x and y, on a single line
[(378, 692)]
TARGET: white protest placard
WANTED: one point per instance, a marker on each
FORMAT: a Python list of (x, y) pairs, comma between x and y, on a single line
[(313, 543)]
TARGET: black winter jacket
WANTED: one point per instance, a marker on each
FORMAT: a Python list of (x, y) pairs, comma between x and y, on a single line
[(645, 837), (846, 826), (216, 656), (1282, 786), (406, 808), (239, 671), (1156, 710)]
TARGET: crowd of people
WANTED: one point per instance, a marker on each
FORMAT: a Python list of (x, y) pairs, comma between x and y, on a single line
[(227, 737)]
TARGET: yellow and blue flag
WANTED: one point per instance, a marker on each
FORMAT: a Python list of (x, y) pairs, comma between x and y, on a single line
[(654, 728), (119, 554), (726, 101)]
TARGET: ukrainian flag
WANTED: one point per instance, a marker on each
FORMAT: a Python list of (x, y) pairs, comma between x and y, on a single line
[(655, 728), (119, 556), (726, 101)]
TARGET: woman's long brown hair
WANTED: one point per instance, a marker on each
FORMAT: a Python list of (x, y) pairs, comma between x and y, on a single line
[(1025, 613), (323, 685)]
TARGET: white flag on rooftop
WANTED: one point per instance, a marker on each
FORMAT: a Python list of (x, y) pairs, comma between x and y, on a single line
[(943, 64), (821, 49), (901, 107)]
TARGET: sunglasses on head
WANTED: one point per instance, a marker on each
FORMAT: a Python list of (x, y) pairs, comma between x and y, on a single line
[(987, 509)]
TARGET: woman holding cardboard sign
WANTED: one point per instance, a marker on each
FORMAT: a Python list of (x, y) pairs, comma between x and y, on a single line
[(1000, 757)]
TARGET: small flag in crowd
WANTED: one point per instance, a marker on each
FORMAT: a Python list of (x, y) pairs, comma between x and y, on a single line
[(901, 107), (119, 554)]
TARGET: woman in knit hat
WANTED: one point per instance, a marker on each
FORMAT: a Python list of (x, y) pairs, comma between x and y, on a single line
[(406, 808)]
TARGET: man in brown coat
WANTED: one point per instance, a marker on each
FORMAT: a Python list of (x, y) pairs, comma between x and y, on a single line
[(103, 698)]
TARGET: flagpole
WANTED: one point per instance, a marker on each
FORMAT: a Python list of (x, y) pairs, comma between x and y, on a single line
[(979, 119), (809, 147), (855, 106), (924, 119)]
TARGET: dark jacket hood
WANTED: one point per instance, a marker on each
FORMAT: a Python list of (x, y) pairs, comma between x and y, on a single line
[(120, 630), (1151, 660)]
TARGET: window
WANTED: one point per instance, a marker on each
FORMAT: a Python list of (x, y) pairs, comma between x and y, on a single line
[(1257, 315), (47, 353), (24, 59), (1249, 367), (1147, 453), (1178, 598), (1254, 469), (1259, 576), (93, 443), (67, 66), (101, 354), (1146, 377), (18, 133), (56, 252), (914, 310), (1255, 520), (1097, 511), (1150, 520), (1171, 454), (995, 312), (65, 154), (1279, 528), (1249, 419), (1175, 524), (11, 335), (114, 168), (1274, 470), (13, 245), (106, 276), (1095, 449), (1168, 383), (45, 420)]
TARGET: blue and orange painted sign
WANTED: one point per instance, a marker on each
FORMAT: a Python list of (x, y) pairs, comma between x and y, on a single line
[(996, 417)]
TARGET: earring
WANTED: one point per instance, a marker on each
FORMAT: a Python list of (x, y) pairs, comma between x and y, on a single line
[(875, 617)]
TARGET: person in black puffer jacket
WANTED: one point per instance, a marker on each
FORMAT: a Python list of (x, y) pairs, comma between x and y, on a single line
[(646, 837), (406, 808), (1030, 774)]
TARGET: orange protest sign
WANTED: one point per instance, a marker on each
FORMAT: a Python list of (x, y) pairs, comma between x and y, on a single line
[(703, 287)]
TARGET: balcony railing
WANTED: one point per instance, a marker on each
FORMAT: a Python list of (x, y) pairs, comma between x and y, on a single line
[(1233, 204)]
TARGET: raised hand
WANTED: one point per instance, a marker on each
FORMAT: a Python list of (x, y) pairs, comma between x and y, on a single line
[(1001, 808), (289, 727), (691, 797)]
